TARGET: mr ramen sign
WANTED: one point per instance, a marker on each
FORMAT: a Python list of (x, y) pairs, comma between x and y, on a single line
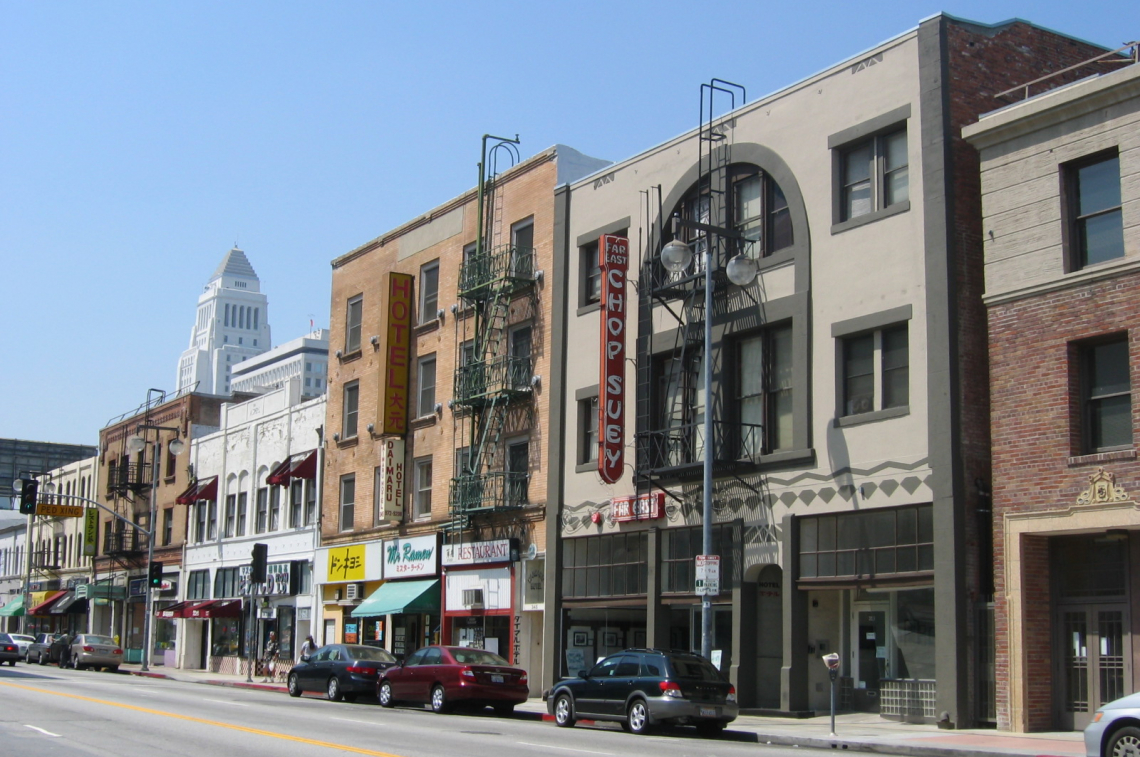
[(614, 259)]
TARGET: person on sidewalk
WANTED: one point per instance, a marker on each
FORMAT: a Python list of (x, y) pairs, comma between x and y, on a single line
[(270, 658), (308, 647), (64, 654)]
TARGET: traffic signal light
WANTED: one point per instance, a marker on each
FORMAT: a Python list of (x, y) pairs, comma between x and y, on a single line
[(154, 575), (260, 563), (28, 489)]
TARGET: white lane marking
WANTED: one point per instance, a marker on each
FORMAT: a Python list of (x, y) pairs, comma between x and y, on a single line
[(41, 730), (346, 720), (225, 701), (566, 748)]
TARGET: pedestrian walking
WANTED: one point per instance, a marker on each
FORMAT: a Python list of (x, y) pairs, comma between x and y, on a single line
[(269, 660), (308, 647), (64, 650)]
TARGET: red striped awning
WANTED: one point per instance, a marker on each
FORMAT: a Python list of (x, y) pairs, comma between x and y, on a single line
[(43, 607), (202, 489), (214, 608), (303, 465)]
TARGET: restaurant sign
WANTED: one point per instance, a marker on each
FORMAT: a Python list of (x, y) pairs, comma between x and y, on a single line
[(413, 556), (614, 259), (477, 552), (642, 507)]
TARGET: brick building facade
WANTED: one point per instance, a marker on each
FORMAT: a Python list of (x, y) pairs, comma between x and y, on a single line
[(1061, 213)]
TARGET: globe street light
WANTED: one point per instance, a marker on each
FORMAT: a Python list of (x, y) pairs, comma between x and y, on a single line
[(741, 270)]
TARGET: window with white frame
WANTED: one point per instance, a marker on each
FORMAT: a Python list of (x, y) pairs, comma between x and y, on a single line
[(429, 291), (1095, 229), (347, 501), (231, 514), (353, 320), (351, 407), (262, 519), (274, 508), (421, 495), (310, 502), (1106, 395), (425, 385), (242, 507), (296, 502)]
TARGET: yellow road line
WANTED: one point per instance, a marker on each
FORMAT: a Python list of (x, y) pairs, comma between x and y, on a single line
[(217, 723)]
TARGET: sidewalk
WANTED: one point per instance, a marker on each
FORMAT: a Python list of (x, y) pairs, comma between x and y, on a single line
[(854, 731)]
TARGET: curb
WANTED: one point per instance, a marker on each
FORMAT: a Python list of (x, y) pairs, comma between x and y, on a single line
[(215, 682)]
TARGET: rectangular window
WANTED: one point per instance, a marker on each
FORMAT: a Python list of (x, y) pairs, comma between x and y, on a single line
[(296, 502), (242, 506), (760, 213), (429, 291), (200, 522), (522, 249), (425, 386), (231, 514), (1107, 395), (274, 508), (198, 585), (167, 526), (867, 543), (1096, 226), (262, 510), (518, 472), (521, 368), (614, 565), (347, 501), (680, 411), (590, 275), (352, 326), (875, 371), (421, 498), (227, 583), (310, 502), (873, 175), (764, 391), (351, 405), (679, 548), (587, 430)]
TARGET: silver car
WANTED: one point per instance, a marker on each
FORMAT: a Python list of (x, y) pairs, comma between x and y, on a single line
[(90, 650), (23, 641), (1115, 729)]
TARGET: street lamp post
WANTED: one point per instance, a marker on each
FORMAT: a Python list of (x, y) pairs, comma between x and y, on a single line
[(741, 270), (137, 443)]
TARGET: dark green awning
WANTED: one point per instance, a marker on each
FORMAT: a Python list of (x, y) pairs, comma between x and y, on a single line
[(399, 597)]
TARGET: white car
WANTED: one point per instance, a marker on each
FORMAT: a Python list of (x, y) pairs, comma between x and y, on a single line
[(23, 641), (1115, 729)]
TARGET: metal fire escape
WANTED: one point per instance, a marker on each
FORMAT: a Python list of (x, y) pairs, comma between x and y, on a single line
[(492, 389), (671, 398)]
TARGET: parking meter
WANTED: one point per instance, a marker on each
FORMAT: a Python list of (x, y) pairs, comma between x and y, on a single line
[(832, 663)]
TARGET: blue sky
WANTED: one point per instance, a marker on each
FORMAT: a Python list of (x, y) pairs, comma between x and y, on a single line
[(140, 140)]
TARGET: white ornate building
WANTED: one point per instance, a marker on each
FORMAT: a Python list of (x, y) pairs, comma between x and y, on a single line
[(232, 326)]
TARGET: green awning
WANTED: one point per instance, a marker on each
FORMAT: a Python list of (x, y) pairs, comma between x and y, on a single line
[(397, 597), (14, 609)]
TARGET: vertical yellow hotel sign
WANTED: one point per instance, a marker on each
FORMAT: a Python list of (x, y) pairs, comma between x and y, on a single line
[(346, 563), (396, 355), (90, 530)]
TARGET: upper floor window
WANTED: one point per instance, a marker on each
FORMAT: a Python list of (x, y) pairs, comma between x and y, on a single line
[(429, 291), (520, 364), (874, 175), (351, 403), (875, 371), (425, 388), (1096, 226), (759, 212), (764, 391), (590, 275), (1106, 395), (347, 501), (421, 495), (588, 430), (352, 324), (522, 248)]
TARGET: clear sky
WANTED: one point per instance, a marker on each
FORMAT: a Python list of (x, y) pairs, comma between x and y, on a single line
[(140, 140)]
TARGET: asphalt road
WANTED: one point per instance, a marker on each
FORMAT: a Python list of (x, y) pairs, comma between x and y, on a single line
[(47, 712)]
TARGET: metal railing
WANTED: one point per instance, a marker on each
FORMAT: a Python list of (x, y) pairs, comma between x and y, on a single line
[(480, 379), (503, 263), (682, 445), (487, 491), (124, 542), (129, 477)]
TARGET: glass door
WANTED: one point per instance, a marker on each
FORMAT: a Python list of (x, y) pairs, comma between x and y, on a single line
[(1094, 666), (871, 652)]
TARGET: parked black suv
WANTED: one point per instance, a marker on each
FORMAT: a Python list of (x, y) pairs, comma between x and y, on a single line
[(642, 688)]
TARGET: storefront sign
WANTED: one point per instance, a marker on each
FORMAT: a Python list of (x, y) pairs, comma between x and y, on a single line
[(396, 361), (414, 556), (136, 587), (90, 531), (643, 507), (346, 563), (477, 552), (277, 580), (614, 259), (392, 479), (267, 613)]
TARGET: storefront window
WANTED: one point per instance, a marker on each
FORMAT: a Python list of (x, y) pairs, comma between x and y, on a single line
[(492, 633), (868, 543), (605, 566), (373, 632), (226, 636), (679, 549), (913, 632)]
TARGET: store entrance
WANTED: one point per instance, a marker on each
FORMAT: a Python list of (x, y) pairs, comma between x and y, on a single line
[(870, 645)]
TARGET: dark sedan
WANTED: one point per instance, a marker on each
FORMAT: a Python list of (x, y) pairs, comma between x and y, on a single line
[(448, 676), (44, 649), (9, 649), (343, 671)]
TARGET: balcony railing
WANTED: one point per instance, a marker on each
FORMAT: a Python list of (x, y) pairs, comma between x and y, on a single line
[(129, 477), (124, 543), (505, 263), (684, 445), (483, 379), (487, 491)]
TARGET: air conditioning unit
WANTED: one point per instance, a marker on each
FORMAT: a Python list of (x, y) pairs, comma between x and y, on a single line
[(353, 592), (472, 597)]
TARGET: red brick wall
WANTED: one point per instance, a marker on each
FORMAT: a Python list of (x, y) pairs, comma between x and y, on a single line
[(982, 62), (1036, 443)]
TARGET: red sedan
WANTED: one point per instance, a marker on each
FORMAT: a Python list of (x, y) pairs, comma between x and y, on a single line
[(448, 676)]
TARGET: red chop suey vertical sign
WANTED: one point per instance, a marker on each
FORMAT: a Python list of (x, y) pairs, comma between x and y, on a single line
[(614, 260)]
